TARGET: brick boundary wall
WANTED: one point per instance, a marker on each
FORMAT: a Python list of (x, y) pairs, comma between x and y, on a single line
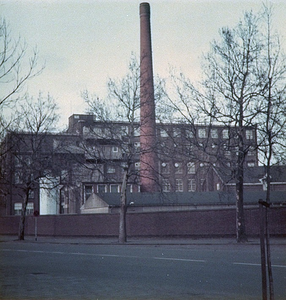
[(196, 223)]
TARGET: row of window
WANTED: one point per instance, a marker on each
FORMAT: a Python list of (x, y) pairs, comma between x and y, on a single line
[(18, 206), (104, 188), (202, 133), (176, 132), (179, 185), (165, 168)]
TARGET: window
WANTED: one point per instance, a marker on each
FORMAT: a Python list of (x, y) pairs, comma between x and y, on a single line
[(166, 185), (178, 168), (226, 149), (137, 145), (251, 151), (87, 191), (137, 166), (191, 185), (114, 188), (129, 188), (225, 134), (18, 162), (30, 208), (17, 208), (251, 164), (249, 134), (123, 166), (110, 169), (214, 133), (202, 133), (191, 168), (98, 132), (189, 133), (101, 188), (114, 149), (18, 177), (31, 194), (137, 131), (179, 185), (163, 133), (176, 132), (165, 168), (124, 130)]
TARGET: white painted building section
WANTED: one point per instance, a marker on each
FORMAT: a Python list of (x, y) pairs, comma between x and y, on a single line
[(49, 196)]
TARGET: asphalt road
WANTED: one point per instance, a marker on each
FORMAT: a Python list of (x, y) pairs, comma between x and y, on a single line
[(67, 271)]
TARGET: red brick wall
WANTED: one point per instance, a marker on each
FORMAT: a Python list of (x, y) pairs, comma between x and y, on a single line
[(187, 223)]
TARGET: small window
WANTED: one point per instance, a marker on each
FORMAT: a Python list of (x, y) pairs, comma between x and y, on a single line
[(178, 168), (114, 188), (176, 132), (191, 168), (17, 208), (189, 133), (18, 162), (30, 208), (251, 164), (18, 177), (166, 185), (137, 145), (101, 188), (251, 151), (163, 133), (137, 131), (124, 130), (249, 134), (202, 133), (129, 188), (76, 116), (137, 165), (114, 149), (214, 133), (110, 169), (179, 185), (165, 168), (87, 191), (191, 185), (225, 134)]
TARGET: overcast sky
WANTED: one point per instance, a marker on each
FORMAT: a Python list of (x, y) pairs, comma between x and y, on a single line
[(85, 42)]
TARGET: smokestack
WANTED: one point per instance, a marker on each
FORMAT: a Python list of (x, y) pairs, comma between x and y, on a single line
[(148, 161)]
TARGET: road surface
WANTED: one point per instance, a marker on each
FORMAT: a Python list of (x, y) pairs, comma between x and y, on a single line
[(84, 271)]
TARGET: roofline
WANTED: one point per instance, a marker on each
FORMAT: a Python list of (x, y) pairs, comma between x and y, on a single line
[(258, 183)]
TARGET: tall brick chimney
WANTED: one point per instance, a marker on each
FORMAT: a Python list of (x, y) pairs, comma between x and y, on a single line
[(148, 159)]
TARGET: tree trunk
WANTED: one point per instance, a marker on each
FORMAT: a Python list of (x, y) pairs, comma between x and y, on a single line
[(262, 211), (240, 222), (123, 210), (21, 233), (269, 263)]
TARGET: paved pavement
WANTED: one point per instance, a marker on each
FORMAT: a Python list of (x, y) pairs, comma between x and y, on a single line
[(140, 240)]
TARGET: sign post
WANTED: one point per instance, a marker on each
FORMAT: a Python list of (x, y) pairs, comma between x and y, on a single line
[(36, 214)]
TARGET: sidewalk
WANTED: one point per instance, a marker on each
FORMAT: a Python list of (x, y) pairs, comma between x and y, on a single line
[(140, 240)]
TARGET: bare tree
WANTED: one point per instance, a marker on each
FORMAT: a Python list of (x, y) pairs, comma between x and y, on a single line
[(29, 156), (123, 105), (271, 115), (227, 95), (15, 69), (125, 96)]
